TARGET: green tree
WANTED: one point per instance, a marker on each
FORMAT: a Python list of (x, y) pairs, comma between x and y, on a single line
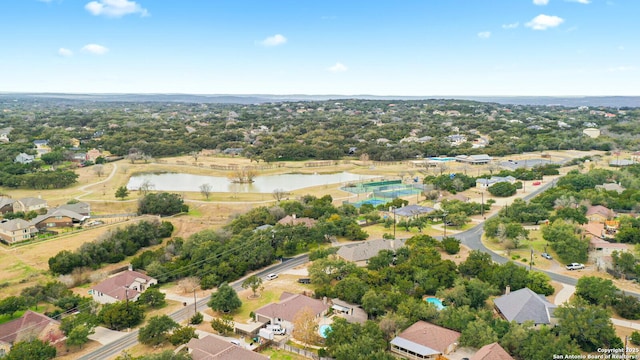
[(182, 335), (590, 326), (478, 334), (31, 350), (121, 315), (122, 192), (152, 297), (79, 335), (596, 290), (157, 330), (252, 282), (12, 304), (451, 245), (502, 189), (628, 307), (223, 325), (225, 299), (162, 204)]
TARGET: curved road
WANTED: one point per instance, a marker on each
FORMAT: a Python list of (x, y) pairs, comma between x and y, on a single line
[(114, 348), (471, 238)]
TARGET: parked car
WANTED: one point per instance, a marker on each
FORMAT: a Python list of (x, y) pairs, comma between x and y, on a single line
[(272, 276), (575, 266), (304, 281), (547, 256)]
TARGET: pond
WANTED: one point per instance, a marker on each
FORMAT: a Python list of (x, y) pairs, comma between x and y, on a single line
[(261, 184)]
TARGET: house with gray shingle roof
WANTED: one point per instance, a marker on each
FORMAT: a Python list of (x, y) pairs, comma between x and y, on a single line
[(483, 183), (16, 230), (474, 159), (23, 158), (525, 305), (362, 251), (29, 204), (412, 211), (58, 217), (424, 340), (6, 204)]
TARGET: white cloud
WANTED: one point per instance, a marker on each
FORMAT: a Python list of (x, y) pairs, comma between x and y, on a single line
[(338, 67), (115, 8), (95, 49), (540, 2), (580, 1), (484, 34), (65, 52), (543, 22), (511, 26), (274, 40)]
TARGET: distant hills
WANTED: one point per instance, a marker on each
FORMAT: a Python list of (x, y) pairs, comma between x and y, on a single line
[(608, 101)]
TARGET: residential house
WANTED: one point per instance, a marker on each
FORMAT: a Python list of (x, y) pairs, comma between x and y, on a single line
[(293, 220), (28, 326), (58, 217), (16, 230), (23, 158), (457, 139), (611, 187), (80, 207), (601, 247), (599, 213), (214, 348), (411, 212), (474, 159), (126, 285), (42, 147), (93, 154), (350, 312), (29, 204), (483, 183), (491, 351), (424, 340), (525, 305), (6, 204), (285, 311), (79, 157), (361, 252)]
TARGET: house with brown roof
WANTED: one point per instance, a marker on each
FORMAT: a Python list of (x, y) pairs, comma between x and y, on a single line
[(285, 311), (491, 351), (604, 248), (126, 285), (214, 348), (93, 154), (293, 220), (16, 230), (28, 326), (58, 217), (599, 213), (424, 340)]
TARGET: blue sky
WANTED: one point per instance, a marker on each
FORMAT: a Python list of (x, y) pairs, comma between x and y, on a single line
[(354, 47)]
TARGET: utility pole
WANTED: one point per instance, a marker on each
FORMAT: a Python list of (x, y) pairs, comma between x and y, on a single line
[(195, 303), (394, 222), (444, 221)]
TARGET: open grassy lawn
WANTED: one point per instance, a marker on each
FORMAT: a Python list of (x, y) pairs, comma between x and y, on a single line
[(277, 354)]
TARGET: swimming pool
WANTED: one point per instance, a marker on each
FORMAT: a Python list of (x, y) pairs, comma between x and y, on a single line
[(323, 329), (442, 159), (436, 302)]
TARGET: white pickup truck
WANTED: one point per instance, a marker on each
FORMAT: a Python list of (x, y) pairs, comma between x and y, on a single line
[(575, 266)]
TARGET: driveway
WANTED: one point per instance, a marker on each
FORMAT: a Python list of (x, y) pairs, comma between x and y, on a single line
[(105, 336)]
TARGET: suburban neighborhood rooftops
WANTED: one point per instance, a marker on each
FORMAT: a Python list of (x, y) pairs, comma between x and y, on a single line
[(367, 249), (426, 339), (525, 305)]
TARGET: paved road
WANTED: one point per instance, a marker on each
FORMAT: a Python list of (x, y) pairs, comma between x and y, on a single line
[(114, 348)]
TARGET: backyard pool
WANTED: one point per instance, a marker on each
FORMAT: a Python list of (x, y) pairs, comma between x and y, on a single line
[(442, 159), (323, 329), (436, 302)]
